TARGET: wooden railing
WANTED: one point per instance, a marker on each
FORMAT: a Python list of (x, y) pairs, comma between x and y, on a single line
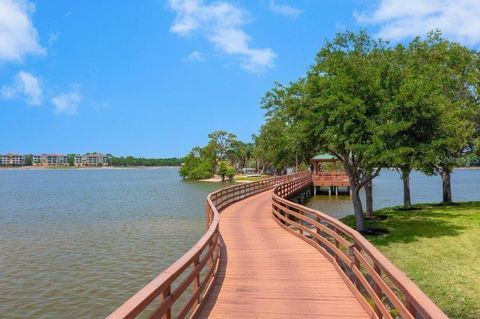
[(180, 291), (332, 175), (331, 179), (382, 289)]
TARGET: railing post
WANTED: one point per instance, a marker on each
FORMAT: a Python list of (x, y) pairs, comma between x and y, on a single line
[(410, 308), (377, 289), (207, 213), (300, 221), (196, 281), (166, 294), (318, 230), (337, 244), (356, 263)]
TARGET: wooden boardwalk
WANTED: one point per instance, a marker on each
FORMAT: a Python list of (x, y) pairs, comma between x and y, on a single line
[(264, 256), (266, 272)]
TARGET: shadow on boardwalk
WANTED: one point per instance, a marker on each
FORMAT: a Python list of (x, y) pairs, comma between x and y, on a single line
[(205, 313)]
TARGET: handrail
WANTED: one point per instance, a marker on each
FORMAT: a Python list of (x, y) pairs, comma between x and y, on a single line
[(382, 289), (168, 296)]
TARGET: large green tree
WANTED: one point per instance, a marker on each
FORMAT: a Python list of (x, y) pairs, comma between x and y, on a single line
[(240, 153), (220, 156), (412, 119), (338, 107), (198, 164), (222, 141), (455, 74), (29, 160)]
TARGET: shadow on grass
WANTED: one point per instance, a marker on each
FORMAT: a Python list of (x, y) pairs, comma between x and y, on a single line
[(402, 209), (423, 221)]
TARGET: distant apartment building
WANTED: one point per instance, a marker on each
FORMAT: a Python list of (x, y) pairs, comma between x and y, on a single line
[(95, 160), (50, 160), (91, 159), (45, 160), (12, 160), (78, 160)]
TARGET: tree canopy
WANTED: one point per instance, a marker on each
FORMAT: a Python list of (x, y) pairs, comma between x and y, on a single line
[(373, 106), (223, 155)]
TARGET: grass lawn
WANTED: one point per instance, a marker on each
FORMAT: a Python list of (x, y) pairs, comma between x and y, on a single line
[(438, 247)]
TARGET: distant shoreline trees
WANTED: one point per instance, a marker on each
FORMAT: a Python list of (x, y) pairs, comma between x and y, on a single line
[(223, 155), (142, 161)]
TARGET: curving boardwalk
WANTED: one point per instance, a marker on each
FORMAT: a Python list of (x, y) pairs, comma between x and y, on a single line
[(264, 256), (265, 272)]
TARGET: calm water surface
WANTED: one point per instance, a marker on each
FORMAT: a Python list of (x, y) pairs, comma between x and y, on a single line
[(388, 191), (78, 243)]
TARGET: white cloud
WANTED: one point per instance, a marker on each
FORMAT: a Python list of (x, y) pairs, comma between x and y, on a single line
[(67, 103), (26, 85), (399, 19), (284, 9), (18, 36), (221, 24), (195, 56)]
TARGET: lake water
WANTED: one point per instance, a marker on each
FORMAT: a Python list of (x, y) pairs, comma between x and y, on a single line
[(388, 191), (78, 243)]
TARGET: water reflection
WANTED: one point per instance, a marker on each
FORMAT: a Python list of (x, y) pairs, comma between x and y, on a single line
[(388, 191)]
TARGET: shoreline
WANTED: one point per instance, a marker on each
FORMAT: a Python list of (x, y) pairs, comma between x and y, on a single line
[(40, 168), (218, 179)]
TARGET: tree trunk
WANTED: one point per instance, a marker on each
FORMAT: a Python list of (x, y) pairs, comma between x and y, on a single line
[(407, 202), (357, 208), (369, 199), (446, 186)]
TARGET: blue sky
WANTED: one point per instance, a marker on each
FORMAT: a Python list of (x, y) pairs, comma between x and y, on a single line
[(154, 77)]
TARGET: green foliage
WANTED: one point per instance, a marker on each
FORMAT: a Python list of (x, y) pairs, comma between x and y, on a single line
[(141, 161), (272, 144), (222, 153), (71, 159), (240, 153), (225, 170), (222, 142), (282, 142), (230, 172), (454, 73), (411, 112), (338, 107), (195, 167), (222, 169), (374, 106), (29, 160), (472, 160)]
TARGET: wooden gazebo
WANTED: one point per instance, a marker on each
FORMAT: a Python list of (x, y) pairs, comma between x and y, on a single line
[(332, 179)]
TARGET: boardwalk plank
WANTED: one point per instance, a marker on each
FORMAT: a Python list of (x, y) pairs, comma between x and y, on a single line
[(268, 273)]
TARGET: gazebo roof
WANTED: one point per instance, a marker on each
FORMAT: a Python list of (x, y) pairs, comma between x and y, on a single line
[(325, 157)]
